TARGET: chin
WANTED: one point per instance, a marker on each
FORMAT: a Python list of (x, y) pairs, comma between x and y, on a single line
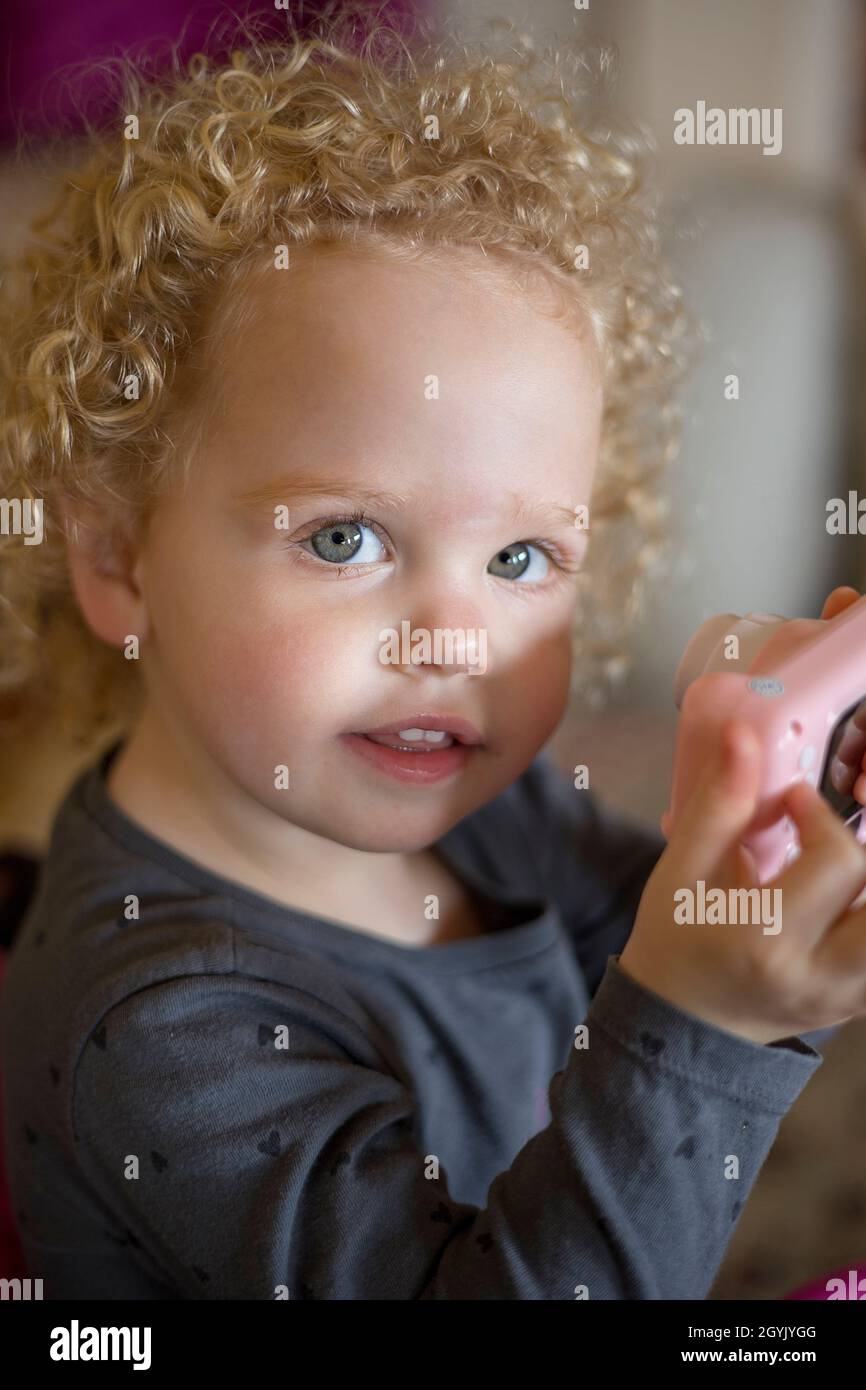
[(391, 838)]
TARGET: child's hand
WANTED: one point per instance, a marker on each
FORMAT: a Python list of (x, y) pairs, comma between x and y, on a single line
[(812, 974)]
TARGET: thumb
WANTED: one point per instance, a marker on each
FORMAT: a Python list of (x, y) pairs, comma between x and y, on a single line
[(722, 805)]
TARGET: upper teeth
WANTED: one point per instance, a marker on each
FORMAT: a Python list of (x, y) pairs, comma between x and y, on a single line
[(430, 735)]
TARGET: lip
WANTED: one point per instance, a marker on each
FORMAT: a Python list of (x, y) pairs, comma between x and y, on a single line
[(453, 724), (416, 769)]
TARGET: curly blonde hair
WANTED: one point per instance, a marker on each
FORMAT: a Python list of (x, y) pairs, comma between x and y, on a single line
[(322, 136)]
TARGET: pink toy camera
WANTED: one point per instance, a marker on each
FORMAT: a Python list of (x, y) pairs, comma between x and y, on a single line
[(801, 684)]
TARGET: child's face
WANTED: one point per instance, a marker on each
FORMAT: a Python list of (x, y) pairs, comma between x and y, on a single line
[(463, 401)]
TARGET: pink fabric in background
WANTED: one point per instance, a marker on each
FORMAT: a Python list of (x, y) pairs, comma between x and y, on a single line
[(40, 38), (818, 1291)]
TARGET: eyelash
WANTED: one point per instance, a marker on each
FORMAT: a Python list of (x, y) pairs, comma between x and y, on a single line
[(562, 561)]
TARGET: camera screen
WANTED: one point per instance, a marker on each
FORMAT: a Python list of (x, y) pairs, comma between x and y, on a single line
[(843, 764)]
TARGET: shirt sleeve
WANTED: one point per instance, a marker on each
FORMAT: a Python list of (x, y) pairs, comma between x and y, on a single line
[(240, 1168)]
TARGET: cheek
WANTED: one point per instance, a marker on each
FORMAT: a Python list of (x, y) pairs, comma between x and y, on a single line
[(536, 689), (279, 673), (526, 704), (236, 649), (258, 667)]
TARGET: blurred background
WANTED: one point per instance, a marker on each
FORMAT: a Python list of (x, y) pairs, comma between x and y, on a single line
[(770, 252)]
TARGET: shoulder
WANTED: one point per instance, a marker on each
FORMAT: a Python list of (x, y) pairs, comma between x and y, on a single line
[(227, 1018)]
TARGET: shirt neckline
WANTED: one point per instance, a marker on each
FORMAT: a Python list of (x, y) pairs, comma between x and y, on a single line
[(503, 944)]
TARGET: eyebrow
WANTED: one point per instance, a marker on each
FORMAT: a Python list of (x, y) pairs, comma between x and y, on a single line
[(553, 513), (297, 489)]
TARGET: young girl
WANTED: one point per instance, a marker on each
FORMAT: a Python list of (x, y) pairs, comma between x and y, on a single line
[(327, 357)]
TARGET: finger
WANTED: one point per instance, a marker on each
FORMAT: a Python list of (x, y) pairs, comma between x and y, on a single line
[(842, 954), (830, 870), (737, 867), (838, 601), (745, 868), (721, 806)]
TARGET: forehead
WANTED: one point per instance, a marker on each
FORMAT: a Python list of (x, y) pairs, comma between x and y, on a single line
[(378, 307), (348, 352)]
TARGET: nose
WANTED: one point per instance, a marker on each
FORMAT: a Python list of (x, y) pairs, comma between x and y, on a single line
[(439, 638)]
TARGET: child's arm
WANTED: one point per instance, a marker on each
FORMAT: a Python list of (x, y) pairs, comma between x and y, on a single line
[(262, 1169)]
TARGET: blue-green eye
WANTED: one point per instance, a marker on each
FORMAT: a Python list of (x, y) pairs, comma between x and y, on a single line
[(346, 542), (520, 561)]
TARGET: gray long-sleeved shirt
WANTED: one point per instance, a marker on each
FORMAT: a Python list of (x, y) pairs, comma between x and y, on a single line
[(226, 1098)]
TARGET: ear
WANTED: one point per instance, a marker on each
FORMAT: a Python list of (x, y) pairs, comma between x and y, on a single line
[(105, 570)]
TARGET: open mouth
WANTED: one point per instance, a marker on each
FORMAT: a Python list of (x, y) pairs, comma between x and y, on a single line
[(415, 740), (413, 754)]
